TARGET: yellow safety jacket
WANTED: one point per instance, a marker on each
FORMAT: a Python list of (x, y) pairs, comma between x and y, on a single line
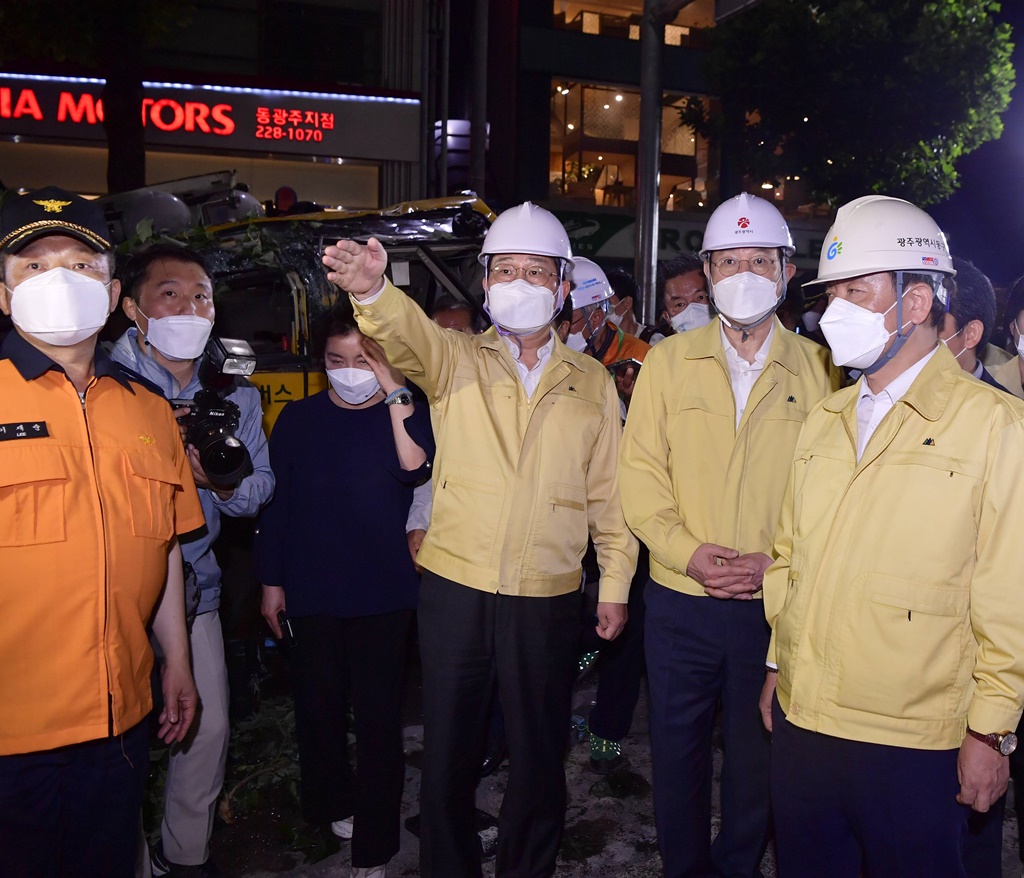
[(689, 474), (896, 602), (518, 481)]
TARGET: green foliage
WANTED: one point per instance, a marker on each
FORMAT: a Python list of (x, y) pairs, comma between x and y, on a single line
[(894, 92), (66, 31)]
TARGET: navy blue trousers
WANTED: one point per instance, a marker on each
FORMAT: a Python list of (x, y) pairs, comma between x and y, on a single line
[(847, 808), (75, 811), (983, 849), (702, 651)]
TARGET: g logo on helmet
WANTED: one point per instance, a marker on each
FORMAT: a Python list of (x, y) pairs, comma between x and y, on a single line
[(834, 249)]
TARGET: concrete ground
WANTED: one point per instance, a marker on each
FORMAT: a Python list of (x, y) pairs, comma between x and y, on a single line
[(609, 821)]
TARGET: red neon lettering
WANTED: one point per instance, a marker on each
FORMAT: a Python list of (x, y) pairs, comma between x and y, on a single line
[(195, 115), (177, 112), (28, 106), (221, 114), (86, 108), (5, 103)]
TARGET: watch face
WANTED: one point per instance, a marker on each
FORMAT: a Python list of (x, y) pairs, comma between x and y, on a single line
[(401, 399), (1008, 744)]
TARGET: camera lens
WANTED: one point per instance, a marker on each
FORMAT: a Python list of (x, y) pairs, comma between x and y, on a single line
[(225, 460)]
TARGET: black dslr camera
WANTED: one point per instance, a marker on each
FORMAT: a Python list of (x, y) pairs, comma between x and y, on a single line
[(212, 419)]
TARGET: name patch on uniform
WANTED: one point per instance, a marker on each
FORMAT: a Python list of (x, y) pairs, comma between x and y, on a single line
[(24, 430)]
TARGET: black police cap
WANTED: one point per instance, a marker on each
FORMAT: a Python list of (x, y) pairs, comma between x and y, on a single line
[(52, 211)]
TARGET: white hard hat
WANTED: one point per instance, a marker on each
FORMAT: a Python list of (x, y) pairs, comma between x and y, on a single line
[(877, 233), (746, 221), (589, 284), (528, 229)]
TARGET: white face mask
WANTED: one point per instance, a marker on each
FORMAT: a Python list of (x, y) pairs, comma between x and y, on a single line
[(60, 307), (518, 306), (180, 336), (615, 319), (1020, 340), (355, 386), (576, 341), (745, 297), (693, 316), (811, 319), (856, 335)]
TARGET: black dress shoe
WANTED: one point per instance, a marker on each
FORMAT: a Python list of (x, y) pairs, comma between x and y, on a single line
[(492, 760)]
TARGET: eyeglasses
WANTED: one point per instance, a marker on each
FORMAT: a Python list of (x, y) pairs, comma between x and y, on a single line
[(533, 274), (727, 266)]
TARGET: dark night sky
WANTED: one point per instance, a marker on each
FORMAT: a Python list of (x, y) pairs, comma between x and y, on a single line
[(984, 220)]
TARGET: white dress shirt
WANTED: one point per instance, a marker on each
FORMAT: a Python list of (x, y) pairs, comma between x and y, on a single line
[(744, 375), (872, 407)]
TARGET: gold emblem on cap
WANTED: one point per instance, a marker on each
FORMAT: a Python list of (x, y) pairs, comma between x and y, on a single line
[(52, 205)]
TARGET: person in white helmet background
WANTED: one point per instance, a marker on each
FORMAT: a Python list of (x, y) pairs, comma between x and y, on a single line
[(592, 332), (894, 598), (528, 435), (715, 413)]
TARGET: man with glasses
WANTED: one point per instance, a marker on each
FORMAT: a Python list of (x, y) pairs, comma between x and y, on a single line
[(528, 437), (714, 416)]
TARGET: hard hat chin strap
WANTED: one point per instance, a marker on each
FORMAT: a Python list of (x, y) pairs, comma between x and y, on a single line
[(900, 339)]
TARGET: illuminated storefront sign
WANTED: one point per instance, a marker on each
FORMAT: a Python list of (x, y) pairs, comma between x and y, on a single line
[(213, 118)]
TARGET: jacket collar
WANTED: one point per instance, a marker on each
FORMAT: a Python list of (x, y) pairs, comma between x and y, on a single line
[(32, 363), (492, 341), (706, 343), (928, 395), (126, 351)]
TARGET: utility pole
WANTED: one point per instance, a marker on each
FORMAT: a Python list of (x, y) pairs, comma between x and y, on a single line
[(652, 37), (478, 119)]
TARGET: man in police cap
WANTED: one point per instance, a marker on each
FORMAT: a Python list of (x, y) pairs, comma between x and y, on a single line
[(894, 600), (715, 411), (95, 489), (528, 438)]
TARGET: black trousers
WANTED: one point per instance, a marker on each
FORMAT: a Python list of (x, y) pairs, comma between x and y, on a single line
[(847, 808), (620, 665), (529, 645), (362, 659), (74, 812)]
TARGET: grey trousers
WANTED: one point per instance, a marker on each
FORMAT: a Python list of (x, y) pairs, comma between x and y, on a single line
[(195, 774)]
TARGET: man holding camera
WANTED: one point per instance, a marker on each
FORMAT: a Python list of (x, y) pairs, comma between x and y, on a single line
[(170, 301)]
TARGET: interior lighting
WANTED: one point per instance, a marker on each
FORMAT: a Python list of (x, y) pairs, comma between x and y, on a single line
[(607, 106), (618, 97), (571, 127), (767, 185), (805, 119)]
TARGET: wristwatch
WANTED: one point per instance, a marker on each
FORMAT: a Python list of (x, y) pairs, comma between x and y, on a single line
[(1003, 743), (402, 396)]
